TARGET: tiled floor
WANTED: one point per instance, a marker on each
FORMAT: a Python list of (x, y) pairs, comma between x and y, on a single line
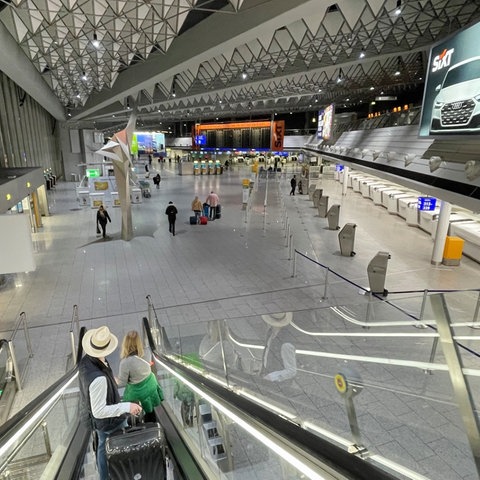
[(233, 268)]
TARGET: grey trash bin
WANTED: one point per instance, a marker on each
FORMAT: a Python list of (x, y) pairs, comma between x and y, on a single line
[(333, 217), (377, 272), (323, 206), (346, 237), (317, 195)]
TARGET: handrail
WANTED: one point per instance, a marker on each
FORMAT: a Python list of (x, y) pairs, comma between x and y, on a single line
[(304, 442), (18, 429)]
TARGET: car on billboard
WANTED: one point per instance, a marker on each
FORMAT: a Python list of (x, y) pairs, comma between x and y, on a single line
[(456, 108)]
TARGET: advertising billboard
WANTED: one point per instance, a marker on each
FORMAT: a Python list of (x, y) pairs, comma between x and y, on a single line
[(148, 143), (325, 123), (451, 100)]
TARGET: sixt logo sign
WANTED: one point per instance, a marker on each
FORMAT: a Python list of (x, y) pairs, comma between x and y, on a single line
[(443, 60)]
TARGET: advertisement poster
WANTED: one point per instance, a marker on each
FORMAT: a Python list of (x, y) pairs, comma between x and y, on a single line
[(144, 143), (451, 101), (321, 114), (278, 136), (328, 122)]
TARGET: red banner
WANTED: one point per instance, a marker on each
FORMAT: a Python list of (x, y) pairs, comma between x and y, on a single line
[(278, 134)]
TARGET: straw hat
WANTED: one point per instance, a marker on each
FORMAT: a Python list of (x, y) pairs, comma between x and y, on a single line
[(99, 342), (278, 319)]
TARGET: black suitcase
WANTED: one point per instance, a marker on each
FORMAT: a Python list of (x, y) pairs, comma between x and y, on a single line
[(193, 220), (219, 209), (218, 215), (137, 452)]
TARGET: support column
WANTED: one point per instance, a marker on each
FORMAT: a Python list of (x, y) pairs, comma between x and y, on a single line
[(346, 171), (441, 235)]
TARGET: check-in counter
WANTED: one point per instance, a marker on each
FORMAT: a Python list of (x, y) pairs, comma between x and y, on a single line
[(455, 217), (371, 188), (365, 186), (404, 204), (376, 192), (386, 195), (470, 233), (427, 219), (357, 180), (393, 201)]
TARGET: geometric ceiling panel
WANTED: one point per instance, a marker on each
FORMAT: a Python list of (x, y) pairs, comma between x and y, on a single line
[(185, 57)]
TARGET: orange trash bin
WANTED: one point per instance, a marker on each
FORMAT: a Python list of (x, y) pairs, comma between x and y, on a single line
[(452, 253)]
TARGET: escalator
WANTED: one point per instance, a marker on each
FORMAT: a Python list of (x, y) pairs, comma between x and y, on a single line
[(211, 431)]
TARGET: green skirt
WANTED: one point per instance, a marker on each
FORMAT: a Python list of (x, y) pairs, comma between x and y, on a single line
[(148, 393)]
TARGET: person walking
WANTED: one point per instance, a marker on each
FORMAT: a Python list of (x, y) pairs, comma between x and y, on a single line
[(135, 374), (99, 393), (293, 184), (212, 201), (102, 218), (197, 208), (171, 211), (156, 180)]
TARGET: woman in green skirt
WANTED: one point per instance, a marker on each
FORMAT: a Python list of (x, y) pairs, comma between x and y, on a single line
[(141, 384)]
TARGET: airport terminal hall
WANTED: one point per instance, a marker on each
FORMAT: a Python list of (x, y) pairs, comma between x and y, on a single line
[(239, 239)]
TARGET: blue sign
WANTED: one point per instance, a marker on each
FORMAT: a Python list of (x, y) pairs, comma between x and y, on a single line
[(200, 139), (339, 168), (427, 203)]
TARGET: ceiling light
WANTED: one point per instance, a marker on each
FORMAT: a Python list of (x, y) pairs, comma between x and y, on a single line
[(397, 73), (398, 10), (362, 54), (78, 95), (372, 88), (95, 41), (244, 75), (84, 76), (319, 90), (339, 78)]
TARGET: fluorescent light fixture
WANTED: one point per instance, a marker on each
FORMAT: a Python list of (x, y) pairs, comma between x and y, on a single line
[(95, 41), (398, 10)]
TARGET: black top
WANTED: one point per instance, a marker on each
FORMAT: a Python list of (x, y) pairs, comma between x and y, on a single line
[(171, 211)]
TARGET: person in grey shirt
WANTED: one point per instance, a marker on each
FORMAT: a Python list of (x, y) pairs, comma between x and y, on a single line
[(136, 375)]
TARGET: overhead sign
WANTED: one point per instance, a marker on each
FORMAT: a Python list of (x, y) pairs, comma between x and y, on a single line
[(451, 100)]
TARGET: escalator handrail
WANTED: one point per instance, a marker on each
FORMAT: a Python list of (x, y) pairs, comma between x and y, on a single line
[(335, 457), (9, 428)]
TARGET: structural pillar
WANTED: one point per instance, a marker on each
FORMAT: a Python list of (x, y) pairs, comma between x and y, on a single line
[(346, 171), (441, 235)]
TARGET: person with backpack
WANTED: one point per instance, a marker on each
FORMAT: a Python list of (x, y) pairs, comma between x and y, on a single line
[(171, 211)]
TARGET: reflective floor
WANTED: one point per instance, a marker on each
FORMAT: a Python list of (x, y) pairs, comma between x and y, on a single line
[(239, 268)]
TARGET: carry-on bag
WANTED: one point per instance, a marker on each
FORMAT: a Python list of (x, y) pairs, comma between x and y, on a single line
[(203, 220), (219, 209), (206, 209), (137, 452), (193, 220)]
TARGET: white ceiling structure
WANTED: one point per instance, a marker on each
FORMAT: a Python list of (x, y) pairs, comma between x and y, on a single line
[(194, 59)]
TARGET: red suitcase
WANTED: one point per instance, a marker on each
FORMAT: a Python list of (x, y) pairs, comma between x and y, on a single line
[(203, 220)]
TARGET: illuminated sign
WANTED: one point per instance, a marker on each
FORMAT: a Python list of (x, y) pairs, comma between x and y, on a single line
[(200, 139), (328, 122), (93, 172)]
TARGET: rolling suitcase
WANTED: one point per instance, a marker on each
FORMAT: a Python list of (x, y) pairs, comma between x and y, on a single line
[(203, 220), (137, 452), (218, 213), (193, 220)]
